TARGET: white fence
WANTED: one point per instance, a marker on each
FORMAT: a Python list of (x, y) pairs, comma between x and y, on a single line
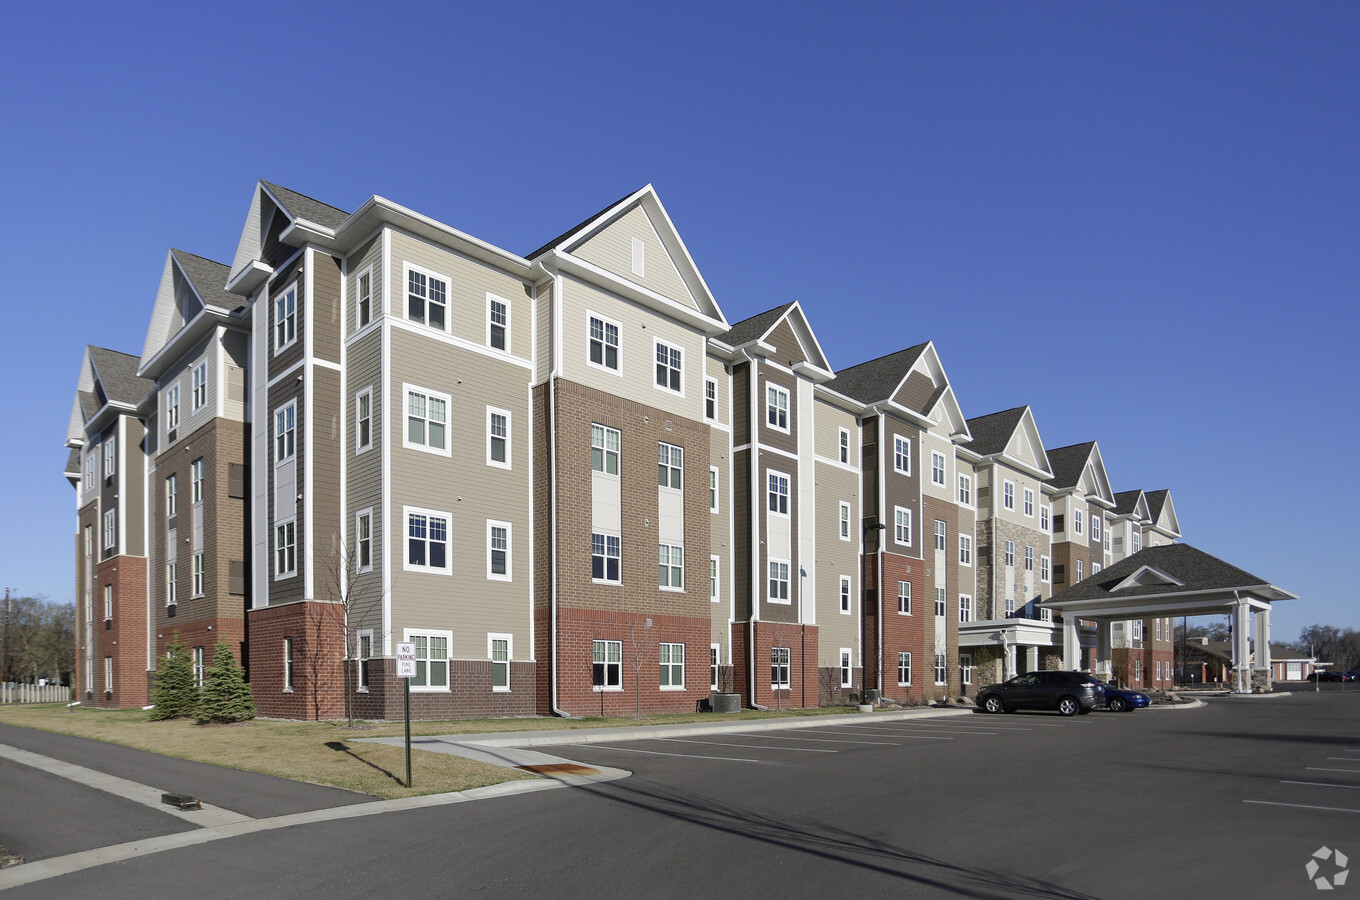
[(32, 693)]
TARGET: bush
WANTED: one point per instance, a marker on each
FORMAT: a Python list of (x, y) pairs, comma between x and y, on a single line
[(174, 694), (225, 696)]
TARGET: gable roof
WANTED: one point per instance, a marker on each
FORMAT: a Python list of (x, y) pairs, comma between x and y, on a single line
[(579, 226), (1126, 502), (878, 379), (171, 323), (1192, 572), (107, 379), (756, 327), (316, 221), (1068, 463), (992, 432), (117, 373), (208, 278), (300, 206), (759, 327)]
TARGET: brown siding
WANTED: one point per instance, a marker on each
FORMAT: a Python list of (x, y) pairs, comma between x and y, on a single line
[(788, 442), (916, 392), (325, 307), (788, 350)]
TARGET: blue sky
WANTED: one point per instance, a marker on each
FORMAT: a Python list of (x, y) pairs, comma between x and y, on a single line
[(1140, 219)]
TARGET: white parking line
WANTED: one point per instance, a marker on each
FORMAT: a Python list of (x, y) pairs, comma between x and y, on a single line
[(899, 733), (746, 746), (1303, 806), (956, 727), (684, 755), (775, 737), (914, 737), (1321, 769), (1342, 758), (1352, 787)]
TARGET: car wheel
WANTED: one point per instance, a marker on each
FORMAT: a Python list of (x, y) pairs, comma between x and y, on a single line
[(994, 704), (1118, 704), (1069, 706)]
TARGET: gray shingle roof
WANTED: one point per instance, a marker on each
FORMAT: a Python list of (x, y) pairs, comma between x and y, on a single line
[(578, 226), (117, 372), (1067, 463), (1125, 502), (209, 278), (301, 206), (73, 463), (752, 328), (992, 432), (877, 379), (1197, 570), (1156, 500)]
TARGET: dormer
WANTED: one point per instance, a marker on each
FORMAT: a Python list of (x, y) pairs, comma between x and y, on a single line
[(1010, 438), (781, 335), (1079, 470), (279, 221), (191, 301)]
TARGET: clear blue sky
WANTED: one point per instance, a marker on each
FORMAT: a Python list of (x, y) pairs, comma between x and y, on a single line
[(1140, 219)]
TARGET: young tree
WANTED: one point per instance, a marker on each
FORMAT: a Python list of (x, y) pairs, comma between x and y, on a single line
[(174, 694), (640, 656), (355, 592), (225, 696)]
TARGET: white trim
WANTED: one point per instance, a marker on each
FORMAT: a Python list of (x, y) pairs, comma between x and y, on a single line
[(671, 664), (966, 549), (274, 316), (897, 525), (909, 610), (846, 663), (496, 298), (360, 327), (358, 447), (491, 638), (409, 633), (280, 574), (406, 564), (406, 390), (708, 381), (714, 489), (406, 269), (901, 441), (843, 439), (358, 566), (846, 597), (845, 521), (715, 578), (618, 348), (658, 342), (787, 485), (509, 547), (778, 391), (770, 580), (670, 566), (497, 411), (461, 343)]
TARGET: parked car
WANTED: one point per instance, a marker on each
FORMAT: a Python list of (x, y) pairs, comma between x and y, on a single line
[(1324, 675), (1067, 692), (1352, 675), (1123, 700)]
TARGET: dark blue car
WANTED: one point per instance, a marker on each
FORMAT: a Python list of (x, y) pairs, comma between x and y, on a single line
[(1122, 700)]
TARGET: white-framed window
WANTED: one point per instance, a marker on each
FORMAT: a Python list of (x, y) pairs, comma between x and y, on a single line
[(843, 445), (604, 449), (604, 343), (779, 668), (1029, 559), (777, 487), (712, 489), (670, 466), (965, 550), (846, 589), (671, 659), (498, 550), (1008, 494), (172, 407), (198, 574), (1097, 528), (285, 549), (89, 470), (427, 420), (171, 495), (198, 666), (777, 408), (939, 668), (941, 607), (285, 319), (1010, 606), (714, 585), (966, 668), (363, 420), (940, 534), (904, 598), (1137, 629), (779, 581), (200, 382), (110, 529), (287, 664), (606, 663), (604, 558), (196, 481), (901, 455), (670, 367), (1137, 541), (110, 456), (1045, 614), (108, 674), (937, 468), (427, 541), (714, 659), (966, 490), (1080, 570), (1076, 521), (498, 650), (432, 659), (710, 400), (1095, 568), (1107, 540), (845, 521), (1043, 518), (671, 569), (363, 652), (363, 297), (965, 608), (1137, 671), (171, 584), (108, 601), (902, 525), (847, 670), (497, 323), (285, 432), (363, 541), (904, 669), (1043, 569), (1159, 628), (1010, 553), (1029, 503), (497, 437), (427, 297)]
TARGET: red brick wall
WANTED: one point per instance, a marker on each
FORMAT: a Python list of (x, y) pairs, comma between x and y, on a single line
[(318, 648), (122, 637), (914, 633)]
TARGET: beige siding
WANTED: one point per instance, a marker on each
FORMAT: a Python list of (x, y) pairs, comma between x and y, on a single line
[(364, 470), (612, 250), (367, 254), (835, 558), (543, 309), (720, 543), (326, 327), (827, 437), (716, 370), (133, 540)]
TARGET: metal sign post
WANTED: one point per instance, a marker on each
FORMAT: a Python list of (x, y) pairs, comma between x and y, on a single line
[(406, 670)]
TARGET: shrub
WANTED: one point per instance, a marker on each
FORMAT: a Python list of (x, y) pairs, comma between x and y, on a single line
[(225, 696), (174, 694)]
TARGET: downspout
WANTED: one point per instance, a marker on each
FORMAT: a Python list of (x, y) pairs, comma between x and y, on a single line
[(878, 573), (552, 491)]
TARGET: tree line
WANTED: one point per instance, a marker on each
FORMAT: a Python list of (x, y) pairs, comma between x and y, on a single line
[(37, 640), (1339, 647)]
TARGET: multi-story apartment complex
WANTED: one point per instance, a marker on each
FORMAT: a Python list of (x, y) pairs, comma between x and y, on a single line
[(563, 476)]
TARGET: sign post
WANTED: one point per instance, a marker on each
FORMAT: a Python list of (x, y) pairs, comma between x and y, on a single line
[(406, 670)]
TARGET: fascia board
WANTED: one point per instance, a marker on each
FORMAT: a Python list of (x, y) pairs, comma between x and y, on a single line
[(892, 407), (814, 373), (722, 350), (301, 232), (377, 211), (836, 398), (251, 276), (201, 325), (650, 200), (1015, 463), (692, 317), (1212, 601)]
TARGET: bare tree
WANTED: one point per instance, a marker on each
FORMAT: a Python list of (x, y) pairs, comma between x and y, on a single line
[(640, 656), (355, 593)]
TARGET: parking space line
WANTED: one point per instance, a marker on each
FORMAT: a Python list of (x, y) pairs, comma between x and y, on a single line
[(683, 755), (914, 737), (956, 727), (1342, 758), (954, 730), (1351, 787), (1303, 806), (1321, 769), (775, 737), (745, 746)]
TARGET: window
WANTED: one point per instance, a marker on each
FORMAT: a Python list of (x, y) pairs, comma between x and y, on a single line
[(966, 667), (939, 534), (497, 438), (1159, 629), (845, 521), (1107, 540), (427, 416), (1080, 573), (965, 550), (937, 468), (904, 668), (1097, 528), (779, 581), (89, 470), (606, 665), (285, 436), (714, 593), (847, 672), (200, 380), (779, 668), (110, 456), (1095, 568), (287, 664), (670, 465), (1059, 573), (171, 496), (1008, 494), (172, 407), (604, 557), (672, 663), (902, 526), (714, 657), (110, 529), (1043, 569), (196, 481), (498, 551), (1029, 503), (285, 549), (844, 445), (672, 567), (939, 668), (845, 594), (966, 490), (1137, 671), (108, 601), (363, 290), (1010, 606), (940, 605), (965, 608), (902, 455), (427, 541), (363, 541), (432, 660), (1029, 559), (1137, 541), (604, 449), (1010, 553), (710, 399), (1043, 518), (198, 574), (604, 344), (108, 674), (669, 366), (171, 589), (363, 420), (498, 651), (363, 652), (198, 666), (713, 489), (285, 319), (779, 493), (777, 408), (426, 298), (497, 321), (1076, 521), (904, 597)]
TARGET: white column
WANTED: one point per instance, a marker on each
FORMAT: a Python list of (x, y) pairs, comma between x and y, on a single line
[(1071, 643), (1241, 647), (1032, 659), (1263, 660), (1104, 655)]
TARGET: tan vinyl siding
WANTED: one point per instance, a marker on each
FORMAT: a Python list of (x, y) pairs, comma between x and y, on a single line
[(279, 285), (612, 250), (835, 558), (326, 307), (543, 310), (290, 589), (720, 545), (133, 540), (366, 254), (325, 444), (827, 423)]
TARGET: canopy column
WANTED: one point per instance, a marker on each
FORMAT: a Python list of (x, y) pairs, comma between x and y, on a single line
[(1241, 646), (1071, 643)]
